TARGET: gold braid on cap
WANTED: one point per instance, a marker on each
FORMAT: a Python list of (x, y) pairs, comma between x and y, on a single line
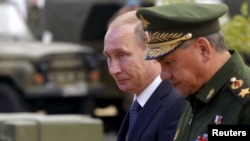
[(157, 49), (157, 37)]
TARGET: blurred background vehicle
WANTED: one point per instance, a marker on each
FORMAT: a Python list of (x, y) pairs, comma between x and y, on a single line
[(53, 77)]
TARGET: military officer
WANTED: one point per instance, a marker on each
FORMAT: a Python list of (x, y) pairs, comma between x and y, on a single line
[(186, 39)]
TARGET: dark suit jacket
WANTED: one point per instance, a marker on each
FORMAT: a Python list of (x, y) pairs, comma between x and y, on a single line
[(158, 118)]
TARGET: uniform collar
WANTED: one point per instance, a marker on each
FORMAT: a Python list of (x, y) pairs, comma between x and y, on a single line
[(222, 77)]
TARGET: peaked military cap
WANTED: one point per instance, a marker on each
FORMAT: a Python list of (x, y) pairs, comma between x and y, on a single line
[(168, 26)]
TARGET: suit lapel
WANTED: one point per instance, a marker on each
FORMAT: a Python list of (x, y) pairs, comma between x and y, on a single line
[(122, 134), (148, 112)]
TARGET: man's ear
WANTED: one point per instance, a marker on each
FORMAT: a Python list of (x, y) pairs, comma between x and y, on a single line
[(205, 48)]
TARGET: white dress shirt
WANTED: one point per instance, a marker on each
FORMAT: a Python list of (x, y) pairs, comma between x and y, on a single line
[(146, 93)]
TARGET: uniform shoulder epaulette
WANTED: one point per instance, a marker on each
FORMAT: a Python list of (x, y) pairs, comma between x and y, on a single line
[(240, 89)]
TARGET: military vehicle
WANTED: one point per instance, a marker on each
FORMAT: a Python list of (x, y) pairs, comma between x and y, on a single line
[(52, 77)]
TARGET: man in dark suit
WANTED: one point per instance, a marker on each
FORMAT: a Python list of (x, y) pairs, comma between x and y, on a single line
[(160, 104)]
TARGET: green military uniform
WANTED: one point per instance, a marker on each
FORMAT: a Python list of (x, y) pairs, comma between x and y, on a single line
[(225, 99), (226, 96)]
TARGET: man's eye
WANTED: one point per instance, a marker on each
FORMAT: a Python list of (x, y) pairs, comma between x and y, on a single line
[(121, 54)]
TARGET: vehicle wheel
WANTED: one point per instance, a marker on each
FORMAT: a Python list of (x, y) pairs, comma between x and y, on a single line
[(10, 99)]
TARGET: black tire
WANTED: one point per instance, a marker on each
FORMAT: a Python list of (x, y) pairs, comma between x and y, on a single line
[(10, 99)]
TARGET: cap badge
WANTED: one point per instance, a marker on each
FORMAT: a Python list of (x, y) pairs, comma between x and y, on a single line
[(236, 83), (244, 92), (144, 22)]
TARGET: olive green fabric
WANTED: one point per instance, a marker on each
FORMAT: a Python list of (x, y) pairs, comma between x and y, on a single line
[(226, 96), (167, 26)]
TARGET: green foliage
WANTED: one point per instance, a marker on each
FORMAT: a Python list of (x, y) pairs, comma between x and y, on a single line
[(237, 30)]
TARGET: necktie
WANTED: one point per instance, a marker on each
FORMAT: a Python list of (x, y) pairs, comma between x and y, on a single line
[(134, 111)]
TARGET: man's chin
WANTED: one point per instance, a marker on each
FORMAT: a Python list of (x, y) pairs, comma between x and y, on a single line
[(123, 88)]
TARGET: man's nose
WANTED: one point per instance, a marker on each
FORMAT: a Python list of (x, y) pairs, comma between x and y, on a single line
[(114, 68)]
